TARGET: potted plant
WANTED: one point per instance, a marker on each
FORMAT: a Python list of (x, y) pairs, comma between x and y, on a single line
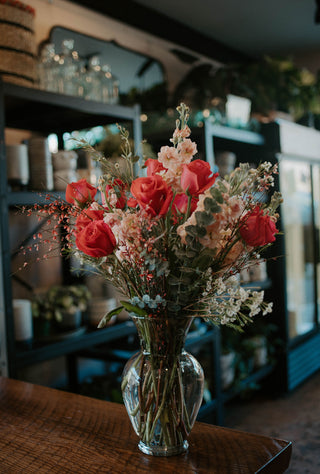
[(273, 85), (60, 308)]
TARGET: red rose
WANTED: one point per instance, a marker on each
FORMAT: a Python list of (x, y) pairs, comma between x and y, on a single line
[(195, 177), (80, 192), (153, 166), (87, 216), (115, 194), (153, 194), (257, 229), (96, 239), (180, 203)]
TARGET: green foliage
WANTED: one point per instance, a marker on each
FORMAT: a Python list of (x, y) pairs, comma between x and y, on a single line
[(66, 298), (106, 318)]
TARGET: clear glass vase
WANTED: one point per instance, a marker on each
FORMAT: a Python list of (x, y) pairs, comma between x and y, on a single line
[(162, 386)]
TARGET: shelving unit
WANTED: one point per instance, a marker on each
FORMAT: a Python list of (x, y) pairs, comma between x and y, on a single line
[(44, 112), (232, 138)]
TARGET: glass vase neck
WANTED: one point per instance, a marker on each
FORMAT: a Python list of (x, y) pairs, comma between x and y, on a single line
[(162, 336)]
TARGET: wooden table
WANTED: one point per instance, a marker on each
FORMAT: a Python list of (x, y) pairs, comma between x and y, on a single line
[(43, 430)]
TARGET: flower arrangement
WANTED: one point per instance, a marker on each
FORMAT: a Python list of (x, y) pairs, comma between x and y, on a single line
[(172, 240)]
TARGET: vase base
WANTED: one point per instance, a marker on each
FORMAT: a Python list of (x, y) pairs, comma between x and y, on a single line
[(164, 451)]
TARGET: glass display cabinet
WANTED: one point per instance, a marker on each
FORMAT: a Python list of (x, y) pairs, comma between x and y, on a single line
[(297, 270)]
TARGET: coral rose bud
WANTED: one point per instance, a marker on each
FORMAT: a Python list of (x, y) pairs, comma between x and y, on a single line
[(152, 194), (153, 166), (96, 239), (196, 177), (257, 229), (88, 215), (80, 192)]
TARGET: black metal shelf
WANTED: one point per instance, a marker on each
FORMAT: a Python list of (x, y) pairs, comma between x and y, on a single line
[(28, 198), (45, 113), (67, 346), (48, 112)]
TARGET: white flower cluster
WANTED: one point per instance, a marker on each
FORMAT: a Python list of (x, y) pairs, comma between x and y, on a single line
[(227, 302)]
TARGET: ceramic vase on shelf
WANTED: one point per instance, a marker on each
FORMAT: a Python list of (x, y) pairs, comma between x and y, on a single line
[(162, 386)]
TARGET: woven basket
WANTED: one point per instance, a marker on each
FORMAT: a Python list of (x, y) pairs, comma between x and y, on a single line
[(17, 43), (17, 13)]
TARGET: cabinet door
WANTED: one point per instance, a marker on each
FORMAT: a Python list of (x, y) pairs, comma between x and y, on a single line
[(316, 200), (297, 221)]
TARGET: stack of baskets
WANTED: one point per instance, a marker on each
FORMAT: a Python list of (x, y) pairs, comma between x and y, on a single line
[(17, 43)]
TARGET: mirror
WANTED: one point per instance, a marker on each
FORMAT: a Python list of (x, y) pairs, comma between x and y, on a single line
[(134, 70)]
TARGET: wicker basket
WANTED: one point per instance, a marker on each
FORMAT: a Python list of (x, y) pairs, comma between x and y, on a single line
[(17, 43)]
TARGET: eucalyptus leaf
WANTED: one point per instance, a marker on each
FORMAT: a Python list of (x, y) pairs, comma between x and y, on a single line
[(201, 231), (203, 218), (211, 205), (216, 194)]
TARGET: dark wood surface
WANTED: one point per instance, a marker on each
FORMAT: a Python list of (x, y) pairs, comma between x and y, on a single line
[(43, 430)]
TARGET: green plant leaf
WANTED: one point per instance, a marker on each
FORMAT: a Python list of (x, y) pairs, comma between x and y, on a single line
[(106, 318), (203, 218), (133, 309), (216, 194), (211, 206)]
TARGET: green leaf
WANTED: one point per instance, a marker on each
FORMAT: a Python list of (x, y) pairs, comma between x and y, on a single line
[(133, 309), (203, 218), (195, 231), (216, 194), (106, 318), (222, 187), (201, 231), (211, 206)]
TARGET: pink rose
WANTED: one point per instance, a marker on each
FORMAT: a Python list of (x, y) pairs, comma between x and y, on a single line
[(196, 177), (257, 229), (96, 239), (152, 194), (80, 192)]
